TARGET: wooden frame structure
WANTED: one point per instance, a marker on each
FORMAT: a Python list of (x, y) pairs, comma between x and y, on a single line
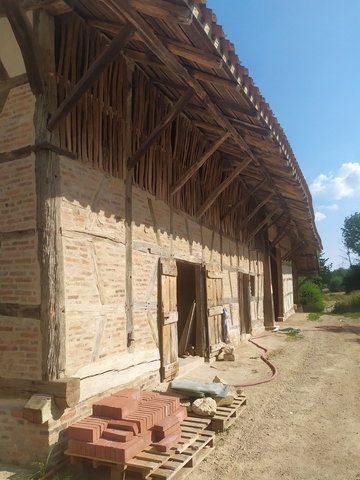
[(142, 148)]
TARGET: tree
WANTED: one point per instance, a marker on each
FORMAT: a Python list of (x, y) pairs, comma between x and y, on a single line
[(351, 234)]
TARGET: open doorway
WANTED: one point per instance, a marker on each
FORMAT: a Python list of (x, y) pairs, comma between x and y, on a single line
[(275, 281), (189, 299)]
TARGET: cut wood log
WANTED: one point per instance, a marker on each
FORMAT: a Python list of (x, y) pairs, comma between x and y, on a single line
[(184, 339)]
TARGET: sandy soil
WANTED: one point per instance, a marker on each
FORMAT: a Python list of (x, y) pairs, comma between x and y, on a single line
[(303, 425)]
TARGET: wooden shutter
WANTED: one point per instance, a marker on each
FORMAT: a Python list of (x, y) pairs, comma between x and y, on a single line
[(214, 295), (168, 319)]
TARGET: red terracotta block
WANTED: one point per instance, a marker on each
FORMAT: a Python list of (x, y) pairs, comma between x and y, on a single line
[(75, 446), (166, 423), (147, 437), (122, 407), (100, 448), (117, 435), (145, 396), (90, 449), (167, 443), (134, 393), (181, 413), (126, 451), (139, 420), (174, 430), (125, 424), (85, 431), (143, 410)]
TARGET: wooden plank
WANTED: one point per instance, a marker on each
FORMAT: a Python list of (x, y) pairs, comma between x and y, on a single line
[(27, 42), (214, 274), (253, 212), (215, 80), (184, 339), (66, 391), (220, 188), (168, 267), (173, 113), (94, 72), (263, 223), (195, 166), (17, 310), (164, 9), (192, 53), (215, 311), (243, 199)]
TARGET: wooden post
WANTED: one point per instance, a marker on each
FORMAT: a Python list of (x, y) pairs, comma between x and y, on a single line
[(47, 173)]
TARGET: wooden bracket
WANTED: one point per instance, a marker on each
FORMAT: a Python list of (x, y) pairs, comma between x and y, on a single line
[(26, 40)]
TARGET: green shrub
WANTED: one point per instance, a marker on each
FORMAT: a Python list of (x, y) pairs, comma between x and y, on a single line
[(311, 298), (350, 303), (336, 284)]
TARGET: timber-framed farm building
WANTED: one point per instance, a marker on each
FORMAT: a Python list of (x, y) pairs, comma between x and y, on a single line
[(144, 181)]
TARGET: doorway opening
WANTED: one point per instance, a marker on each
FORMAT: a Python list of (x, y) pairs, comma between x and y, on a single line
[(275, 282), (186, 306)]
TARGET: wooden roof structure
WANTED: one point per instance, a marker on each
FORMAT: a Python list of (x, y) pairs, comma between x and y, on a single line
[(184, 52)]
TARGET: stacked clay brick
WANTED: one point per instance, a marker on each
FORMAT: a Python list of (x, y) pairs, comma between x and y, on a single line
[(125, 423)]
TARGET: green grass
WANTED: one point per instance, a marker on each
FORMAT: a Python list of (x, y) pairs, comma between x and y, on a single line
[(348, 304), (295, 335), (314, 317)]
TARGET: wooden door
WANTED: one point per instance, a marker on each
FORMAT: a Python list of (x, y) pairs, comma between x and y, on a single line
[(214, 295), (168, 319), (244, 302)]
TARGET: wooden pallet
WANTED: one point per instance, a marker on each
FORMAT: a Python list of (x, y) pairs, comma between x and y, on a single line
[(225, 416), (195, 444)]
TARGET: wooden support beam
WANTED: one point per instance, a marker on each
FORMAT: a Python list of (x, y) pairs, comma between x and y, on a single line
[(247, 126), (38, 409), (280, 236), (235, 107), (25, 151), (195, 166), (294, 252), (26, 40), (66, 391), (16, 310), (215, 80), (263, 223), (209, 127), (220, 188), (164, 9), (143, 58), (7, 85), (94, 72), (192, 53), (148, 36), (55, 7), (275, 220), (253, 213), (243, 199), (173, 113)]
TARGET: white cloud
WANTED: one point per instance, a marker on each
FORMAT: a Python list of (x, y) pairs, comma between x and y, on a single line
[(319, 216), (328, 207), (346, 183)]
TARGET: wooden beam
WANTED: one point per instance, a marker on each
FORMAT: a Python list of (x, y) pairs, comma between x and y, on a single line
[(209, 127), (8, 84), (192, 53), (164, 9), (66, 391), (276, 220), (3, 73), (16, 310), (263, 223), (55, 7), (195, 166), (143, 58), (215, 80), (38, 409), (265, 132), (242, 200), (280, 236), (253, 213), (90, 77), (173, 113), (220, 188), (25, 151), (26, 40), (234, 106), (295, 251)]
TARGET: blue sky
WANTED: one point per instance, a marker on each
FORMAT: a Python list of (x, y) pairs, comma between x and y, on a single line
[(304, 55)]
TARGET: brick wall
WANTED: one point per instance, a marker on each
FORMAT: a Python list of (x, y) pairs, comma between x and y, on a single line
[(16, 119)]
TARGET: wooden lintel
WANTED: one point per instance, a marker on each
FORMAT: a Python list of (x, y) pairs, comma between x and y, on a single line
[(16, 310), (38, 409), (211, 199), (195, 167), (192, 53), (16, 235), (55, 7), (168, 83), (26, 40), (253, 213), (215, 80), (66, 391), (7, 85), (243, 199), (3, 73), (276, 220), (173, 113), (263, 223), (164, 9), (25, 151), (94, 72)]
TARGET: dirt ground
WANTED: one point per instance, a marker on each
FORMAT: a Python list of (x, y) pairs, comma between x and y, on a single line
[(305, 424)]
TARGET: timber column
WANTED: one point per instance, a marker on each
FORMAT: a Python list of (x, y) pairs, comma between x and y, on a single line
[(47, 173)]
